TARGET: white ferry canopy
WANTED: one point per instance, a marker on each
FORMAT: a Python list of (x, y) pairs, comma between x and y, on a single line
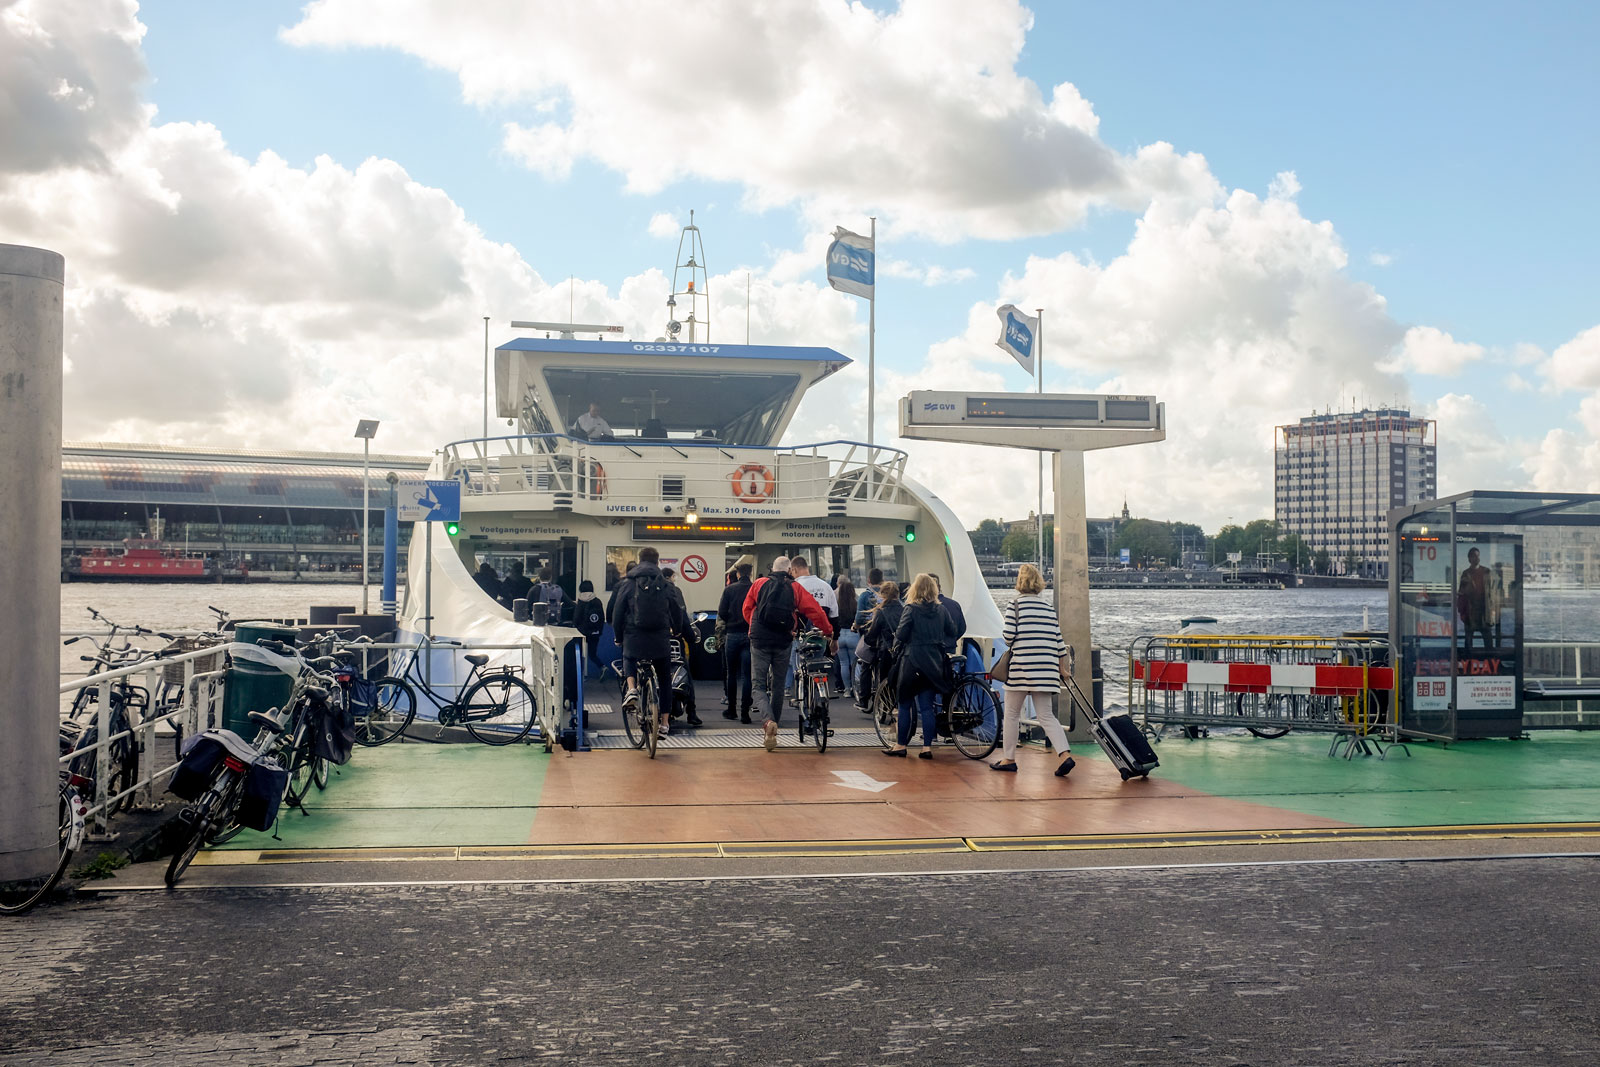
[(732, 394)]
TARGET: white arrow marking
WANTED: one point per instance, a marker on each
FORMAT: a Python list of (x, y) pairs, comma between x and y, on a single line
[(861, 780)]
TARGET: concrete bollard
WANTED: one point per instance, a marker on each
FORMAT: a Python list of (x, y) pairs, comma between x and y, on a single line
[(32, 282)]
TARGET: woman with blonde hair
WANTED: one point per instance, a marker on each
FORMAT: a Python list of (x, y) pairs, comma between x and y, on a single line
[(1032, 633), (922, 668)]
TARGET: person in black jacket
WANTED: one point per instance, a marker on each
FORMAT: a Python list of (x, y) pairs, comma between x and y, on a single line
[(589, 619), (925, 630), (515, 586), (879, 639), (736, 645), (645, 618)]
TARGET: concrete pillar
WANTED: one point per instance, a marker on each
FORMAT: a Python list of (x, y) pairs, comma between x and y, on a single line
[(1072, 572), (31, 288)]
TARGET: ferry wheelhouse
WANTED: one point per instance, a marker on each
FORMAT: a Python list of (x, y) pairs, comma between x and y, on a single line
[(694, 468)]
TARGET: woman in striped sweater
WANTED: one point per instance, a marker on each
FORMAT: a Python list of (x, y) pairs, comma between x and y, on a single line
[(1033, 634)]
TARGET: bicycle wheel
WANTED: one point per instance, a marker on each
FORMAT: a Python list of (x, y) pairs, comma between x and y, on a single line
[(499, 709), (302, 766), (974, 719), (632, 724), (394, 705), (819, 713), (220, 802), (649, 711), (124, 773), (68, 812), (1275, 704), (319, 773), (886, 715)]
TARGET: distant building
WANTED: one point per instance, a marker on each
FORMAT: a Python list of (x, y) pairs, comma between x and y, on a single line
[(271, 511), (1338, 475)]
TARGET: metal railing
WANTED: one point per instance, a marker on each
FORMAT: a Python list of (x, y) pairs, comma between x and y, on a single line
[(199, 700), (1267, 684), (1566, 675), (570, 469)]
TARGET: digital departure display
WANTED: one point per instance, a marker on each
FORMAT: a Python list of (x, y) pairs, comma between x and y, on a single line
[(1032, 409), (1067, 411), (704, 530)]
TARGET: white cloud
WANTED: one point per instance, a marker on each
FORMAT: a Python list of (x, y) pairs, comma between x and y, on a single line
[(1428, 350), (663, 225), (1380, 259), (1576, 364), (919, 113), (927, 275)]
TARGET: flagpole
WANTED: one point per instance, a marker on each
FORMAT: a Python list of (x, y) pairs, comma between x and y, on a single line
[(1038, 367), (872, 336)]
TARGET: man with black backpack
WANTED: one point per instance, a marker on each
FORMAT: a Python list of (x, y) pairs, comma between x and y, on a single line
[(773, 608), (645, 617)]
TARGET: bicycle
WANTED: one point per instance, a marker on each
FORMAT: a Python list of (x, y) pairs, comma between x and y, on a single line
[(497, 708), (214, 817), (969, 717), (811, 687), (127, 705), (72, 817)]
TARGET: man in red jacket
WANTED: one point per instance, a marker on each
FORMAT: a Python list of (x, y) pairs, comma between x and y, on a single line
[(772, 608)]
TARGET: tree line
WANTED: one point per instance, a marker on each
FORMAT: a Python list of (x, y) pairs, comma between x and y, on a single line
[(1154, 544)]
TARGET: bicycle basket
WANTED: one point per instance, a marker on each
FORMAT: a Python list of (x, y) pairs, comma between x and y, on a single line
[(172, 673)]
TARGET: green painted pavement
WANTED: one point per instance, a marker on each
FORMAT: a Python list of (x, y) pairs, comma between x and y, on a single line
[(1554, 777), (417, 794)]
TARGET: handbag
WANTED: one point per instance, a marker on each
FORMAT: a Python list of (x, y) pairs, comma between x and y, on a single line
[(1001, 671)]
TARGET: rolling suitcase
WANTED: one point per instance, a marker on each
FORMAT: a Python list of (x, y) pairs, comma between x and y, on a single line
[(1120, 737)]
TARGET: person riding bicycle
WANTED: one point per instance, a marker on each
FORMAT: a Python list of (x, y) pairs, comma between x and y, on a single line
[(772, 608), (646, 619)]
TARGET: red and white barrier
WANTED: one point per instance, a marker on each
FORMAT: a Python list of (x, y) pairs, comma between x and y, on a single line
[(1315, 679)]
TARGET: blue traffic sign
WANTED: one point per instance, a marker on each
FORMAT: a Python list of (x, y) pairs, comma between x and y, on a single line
[(432, 501)]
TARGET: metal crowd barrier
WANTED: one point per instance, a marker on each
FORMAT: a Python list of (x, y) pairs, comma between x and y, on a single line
[(1268, 684)]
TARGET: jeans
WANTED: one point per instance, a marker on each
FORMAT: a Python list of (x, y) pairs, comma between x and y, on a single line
[(766, 672), (848, 640), (924, 703), (736, 683)]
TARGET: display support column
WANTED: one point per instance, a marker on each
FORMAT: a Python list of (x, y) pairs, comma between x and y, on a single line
[(32, 281), (1071, 582)]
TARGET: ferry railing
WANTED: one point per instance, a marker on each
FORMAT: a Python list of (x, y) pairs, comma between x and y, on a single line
[(1268, 684), (571, 469), (1561, 685), (198, 700)]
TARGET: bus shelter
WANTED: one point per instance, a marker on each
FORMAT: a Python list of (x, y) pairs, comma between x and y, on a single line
[(1492, 613)]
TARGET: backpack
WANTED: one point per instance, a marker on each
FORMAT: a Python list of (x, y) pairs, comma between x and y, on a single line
[(335, 724), (551, 593), (652, 604), (775, 605), (592, 617)]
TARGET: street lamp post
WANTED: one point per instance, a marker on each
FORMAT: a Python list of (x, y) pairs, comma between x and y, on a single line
[(366, 429)]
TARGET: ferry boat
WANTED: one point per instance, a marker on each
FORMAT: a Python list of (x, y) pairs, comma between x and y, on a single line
[(141, 559), (695, 468)]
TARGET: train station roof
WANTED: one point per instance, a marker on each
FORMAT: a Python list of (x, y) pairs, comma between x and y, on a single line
[(157, 474)]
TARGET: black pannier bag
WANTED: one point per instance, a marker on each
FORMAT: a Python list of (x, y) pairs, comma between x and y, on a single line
[(363, 696), (264, 785), (202, 757), (334, 731)]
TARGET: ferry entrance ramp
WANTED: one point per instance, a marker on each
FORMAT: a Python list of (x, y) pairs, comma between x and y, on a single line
[(722, 798)]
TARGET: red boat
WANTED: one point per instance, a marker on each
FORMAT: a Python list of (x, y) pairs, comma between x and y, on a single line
[(142, 559)]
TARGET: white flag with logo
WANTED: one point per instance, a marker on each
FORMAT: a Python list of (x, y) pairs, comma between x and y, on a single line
[(1017, 333), (850, 263)]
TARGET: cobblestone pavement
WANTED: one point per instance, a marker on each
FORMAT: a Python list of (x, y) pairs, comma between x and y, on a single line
[(1458, 963)]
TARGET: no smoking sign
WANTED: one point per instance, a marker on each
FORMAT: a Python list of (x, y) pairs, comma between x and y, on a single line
[(694, 568)]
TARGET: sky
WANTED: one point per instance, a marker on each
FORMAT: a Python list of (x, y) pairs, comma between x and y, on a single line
[(279, 217)]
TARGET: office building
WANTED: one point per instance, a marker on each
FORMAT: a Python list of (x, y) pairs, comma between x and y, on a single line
[(1337, 475)]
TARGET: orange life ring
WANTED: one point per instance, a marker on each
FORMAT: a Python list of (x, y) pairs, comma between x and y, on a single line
[(596, 475), (752, 483)]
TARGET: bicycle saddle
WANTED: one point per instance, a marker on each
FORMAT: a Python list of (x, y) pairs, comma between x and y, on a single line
[(262, 719), (476, 661)]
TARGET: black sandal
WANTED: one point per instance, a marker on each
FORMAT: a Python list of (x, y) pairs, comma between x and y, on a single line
[(1004, 765), (894, 752)]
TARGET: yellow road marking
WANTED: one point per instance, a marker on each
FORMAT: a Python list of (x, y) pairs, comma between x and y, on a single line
[(896, 846)]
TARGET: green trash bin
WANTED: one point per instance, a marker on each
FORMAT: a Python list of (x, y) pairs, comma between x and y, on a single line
[(251, 686)]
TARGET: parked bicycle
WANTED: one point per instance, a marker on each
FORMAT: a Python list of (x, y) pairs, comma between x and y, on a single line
[(72, 811), (495, 705)]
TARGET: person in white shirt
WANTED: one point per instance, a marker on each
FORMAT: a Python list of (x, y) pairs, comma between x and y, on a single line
[(826, 598), (592, 425)]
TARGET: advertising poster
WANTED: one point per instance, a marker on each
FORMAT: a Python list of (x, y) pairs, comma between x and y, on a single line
[(1460, 609)]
